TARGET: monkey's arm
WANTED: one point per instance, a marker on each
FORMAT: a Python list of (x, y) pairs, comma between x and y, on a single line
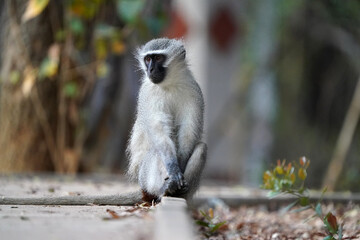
[(162, 141), (130, 198), (190, 131)]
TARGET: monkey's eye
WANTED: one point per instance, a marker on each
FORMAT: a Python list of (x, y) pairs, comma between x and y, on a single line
[(147, 59), (159, 58)]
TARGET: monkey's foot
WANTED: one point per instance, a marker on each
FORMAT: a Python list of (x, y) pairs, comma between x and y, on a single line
[(175, 186), (147, 197)]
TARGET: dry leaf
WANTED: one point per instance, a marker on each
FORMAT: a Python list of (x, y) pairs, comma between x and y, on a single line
[(29, 80), (34, 8), (74, 193), (113, 214)]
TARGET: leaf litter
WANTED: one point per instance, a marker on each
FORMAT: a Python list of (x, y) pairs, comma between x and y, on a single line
[(121, 212), (259, 223)]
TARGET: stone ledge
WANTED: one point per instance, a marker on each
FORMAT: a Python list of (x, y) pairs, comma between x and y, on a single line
[(172, 220)]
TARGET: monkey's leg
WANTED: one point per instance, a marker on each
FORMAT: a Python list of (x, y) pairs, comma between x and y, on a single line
[(152, 175), (158, 180), (194, 168)]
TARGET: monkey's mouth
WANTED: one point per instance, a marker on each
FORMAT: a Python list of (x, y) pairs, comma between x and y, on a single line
[(156, 80), (157, 76)]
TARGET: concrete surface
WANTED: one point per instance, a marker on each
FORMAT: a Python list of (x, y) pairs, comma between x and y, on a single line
[(85, 222), (173, 221), (73, 222)]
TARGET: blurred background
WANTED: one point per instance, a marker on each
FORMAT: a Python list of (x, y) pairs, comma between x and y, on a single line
[(280, 79)]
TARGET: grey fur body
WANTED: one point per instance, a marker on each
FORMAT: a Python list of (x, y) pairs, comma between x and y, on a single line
[(165, 149)]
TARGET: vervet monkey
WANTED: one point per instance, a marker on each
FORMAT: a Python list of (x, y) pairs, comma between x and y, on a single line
[(166, 155)]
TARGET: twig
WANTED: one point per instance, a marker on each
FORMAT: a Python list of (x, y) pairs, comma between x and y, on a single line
[(344, 140)]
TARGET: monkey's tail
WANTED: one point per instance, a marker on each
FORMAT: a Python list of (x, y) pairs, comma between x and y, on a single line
[(130, 198)]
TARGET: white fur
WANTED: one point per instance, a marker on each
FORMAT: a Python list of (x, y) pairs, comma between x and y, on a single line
[(169, 123)]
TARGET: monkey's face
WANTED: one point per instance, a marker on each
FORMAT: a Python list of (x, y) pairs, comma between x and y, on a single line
[(155, 67)]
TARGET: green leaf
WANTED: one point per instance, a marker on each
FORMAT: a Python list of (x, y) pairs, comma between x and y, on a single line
[(102, 70), (318, 210), (324, 191), (206, 216), (329, 238), (60, 35), (76, 26), (309, 218), (288, 207), (48, 68), (71, 89), (301, 190), (322, 194), (129, 10), (211, 226), (202, 213), (202, 223), (340, 232), (304, 201), (274, 194), (301, 209), (217, 226)]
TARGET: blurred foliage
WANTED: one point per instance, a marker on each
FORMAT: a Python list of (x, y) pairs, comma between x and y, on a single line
[(34, 8), (85, 34), (282, 179), (210, 223), (287, 178), (84, 18), (316, 67), (315, 73)]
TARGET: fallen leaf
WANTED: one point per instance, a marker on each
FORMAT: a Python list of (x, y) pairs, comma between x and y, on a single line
[(74, 193), (331, 223), (240, 225), (113, 214)]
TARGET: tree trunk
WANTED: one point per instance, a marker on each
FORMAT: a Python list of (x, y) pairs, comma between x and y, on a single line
[(28, 107)]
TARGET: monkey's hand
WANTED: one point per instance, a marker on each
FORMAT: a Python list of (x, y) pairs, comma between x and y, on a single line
[(175, 184)]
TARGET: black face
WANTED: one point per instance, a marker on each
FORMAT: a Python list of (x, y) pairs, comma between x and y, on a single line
[(155, 67)]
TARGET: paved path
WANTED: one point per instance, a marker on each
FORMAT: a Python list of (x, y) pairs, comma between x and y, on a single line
[(21, 222), (73, 222)]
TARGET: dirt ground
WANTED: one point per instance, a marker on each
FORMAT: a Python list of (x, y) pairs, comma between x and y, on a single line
[(259, 223)]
